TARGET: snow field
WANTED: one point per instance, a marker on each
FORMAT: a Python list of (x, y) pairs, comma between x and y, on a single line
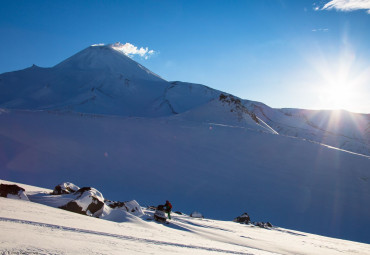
[(34, 228)]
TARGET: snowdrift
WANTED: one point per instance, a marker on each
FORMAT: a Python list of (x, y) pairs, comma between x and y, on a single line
[(48, 230)]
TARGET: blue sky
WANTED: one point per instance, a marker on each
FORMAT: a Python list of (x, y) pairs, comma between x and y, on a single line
[(280, 52)]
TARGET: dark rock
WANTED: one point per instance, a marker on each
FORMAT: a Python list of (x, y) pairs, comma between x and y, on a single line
[(12, 191), (129, 206), (65, 188), (115, 204), (72, 206), (237, 107), (83, 189), (87, 201), (179, 213), (244, 218), (263, 224)]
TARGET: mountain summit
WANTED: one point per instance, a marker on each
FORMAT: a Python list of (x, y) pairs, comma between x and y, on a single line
[(109, 59), (99, 79)]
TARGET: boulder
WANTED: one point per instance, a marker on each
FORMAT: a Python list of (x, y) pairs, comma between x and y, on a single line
[(263, 224), (132, 206), (196, 215), (244, 218), (13, 191), (87, 201), (65, 188)]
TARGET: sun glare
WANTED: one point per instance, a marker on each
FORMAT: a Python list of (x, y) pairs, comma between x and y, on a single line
[(337, 94), (341, 83)]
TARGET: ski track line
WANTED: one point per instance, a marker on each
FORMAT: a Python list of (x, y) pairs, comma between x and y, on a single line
[(138, 239)]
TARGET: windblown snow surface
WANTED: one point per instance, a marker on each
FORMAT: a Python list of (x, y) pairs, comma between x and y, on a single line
[(216, 169), (32, 228), (101, 119)]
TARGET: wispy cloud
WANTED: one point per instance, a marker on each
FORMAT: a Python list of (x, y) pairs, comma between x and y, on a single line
[(132, 50), (320, 30), (347, 5)]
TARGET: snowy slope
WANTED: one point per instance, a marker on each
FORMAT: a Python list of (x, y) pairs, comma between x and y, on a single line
[(47, 230), (216, 169), (340, 129)]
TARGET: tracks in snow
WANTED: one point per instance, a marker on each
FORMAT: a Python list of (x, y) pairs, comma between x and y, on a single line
[(123, 237)]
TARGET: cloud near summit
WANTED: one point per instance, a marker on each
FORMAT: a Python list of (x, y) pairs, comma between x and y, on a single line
[(348, 5), (131, 50)]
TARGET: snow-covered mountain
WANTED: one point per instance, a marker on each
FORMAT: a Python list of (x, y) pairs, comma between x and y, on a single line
[(102, 80), (101, 119), (340, 129)]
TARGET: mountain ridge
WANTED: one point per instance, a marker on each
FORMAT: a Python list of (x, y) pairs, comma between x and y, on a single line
[(103, 80)]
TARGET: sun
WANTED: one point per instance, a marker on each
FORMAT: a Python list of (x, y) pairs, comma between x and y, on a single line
[(342, 83), (337, 94)]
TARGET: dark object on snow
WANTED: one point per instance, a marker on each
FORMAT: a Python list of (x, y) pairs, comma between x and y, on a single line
[(179, 213), (263, 224), (237, 107), (65, 188), (84, 189), (197, 215), (12, 191), (159, 214), (115, 204), (88, 201), (168, 208), (244, 218)]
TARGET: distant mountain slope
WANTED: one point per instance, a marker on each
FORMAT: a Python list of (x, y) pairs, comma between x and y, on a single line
[(340, 129)]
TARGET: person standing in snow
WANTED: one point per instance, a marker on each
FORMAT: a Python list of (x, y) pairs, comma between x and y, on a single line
[(168, 208)]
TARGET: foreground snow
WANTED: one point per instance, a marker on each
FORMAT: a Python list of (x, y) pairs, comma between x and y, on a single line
[(33, 228)]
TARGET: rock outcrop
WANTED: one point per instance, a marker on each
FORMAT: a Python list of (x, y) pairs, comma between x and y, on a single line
[(132, 206), (87, 201), (65, 188), (13, 191)]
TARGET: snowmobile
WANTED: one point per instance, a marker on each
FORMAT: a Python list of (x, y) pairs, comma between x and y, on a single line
[(160, 215)]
